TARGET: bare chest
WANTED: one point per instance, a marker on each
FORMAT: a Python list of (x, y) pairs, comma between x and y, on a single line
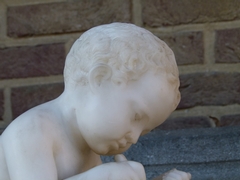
[(70, 161), (3, 166)]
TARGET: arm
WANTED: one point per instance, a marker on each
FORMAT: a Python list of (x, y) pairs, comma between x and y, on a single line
[(174, 174), (28, 155), (119, 170)]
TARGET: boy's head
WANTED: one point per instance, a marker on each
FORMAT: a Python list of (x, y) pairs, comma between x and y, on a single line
[(127, 49), (134, 79)]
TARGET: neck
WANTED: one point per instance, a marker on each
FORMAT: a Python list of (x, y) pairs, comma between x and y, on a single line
[(70, 124)]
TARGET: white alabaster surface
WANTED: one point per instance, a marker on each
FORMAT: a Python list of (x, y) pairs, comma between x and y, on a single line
[(121, 81)]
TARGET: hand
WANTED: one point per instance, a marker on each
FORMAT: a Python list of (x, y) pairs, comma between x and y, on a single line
[(122, 169), (174, 174), (135, 169)]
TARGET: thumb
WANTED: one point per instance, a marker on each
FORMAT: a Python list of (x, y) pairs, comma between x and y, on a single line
[(120, 158)]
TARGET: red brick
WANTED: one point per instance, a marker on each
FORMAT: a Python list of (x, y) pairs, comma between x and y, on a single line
[(172, 12), (65, 17), (22, 62), (227, 47), (230, 120), (24, 98), (1, 105), (187, 47), (209, 89), (185, 123)]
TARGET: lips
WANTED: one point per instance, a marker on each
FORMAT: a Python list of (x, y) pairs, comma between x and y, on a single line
[(118, 148), (125, 146), (122, 145)]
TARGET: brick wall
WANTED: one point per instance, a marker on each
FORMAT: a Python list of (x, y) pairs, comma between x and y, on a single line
[(35, 36)]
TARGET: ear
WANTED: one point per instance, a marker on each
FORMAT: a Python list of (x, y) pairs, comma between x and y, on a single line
[(98, 74)]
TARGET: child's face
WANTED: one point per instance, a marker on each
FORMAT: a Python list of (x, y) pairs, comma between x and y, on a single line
[(118, 115)]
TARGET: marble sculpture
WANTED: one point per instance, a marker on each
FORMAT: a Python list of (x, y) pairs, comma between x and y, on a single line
[(121, 82)]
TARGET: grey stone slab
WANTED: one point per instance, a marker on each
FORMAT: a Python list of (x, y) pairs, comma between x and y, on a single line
[(187, 146), (204, 171), (207, 153)]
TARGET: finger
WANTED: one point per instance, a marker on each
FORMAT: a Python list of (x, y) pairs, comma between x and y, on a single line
[(120, 158), (168, 178), (178, 175), (189, 175), (173, 176), (138, 169), (184, 175)]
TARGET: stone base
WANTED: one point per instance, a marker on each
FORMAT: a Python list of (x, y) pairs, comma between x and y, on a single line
[(207, 153)]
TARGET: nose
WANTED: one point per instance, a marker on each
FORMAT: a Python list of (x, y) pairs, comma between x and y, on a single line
[(135, 136)]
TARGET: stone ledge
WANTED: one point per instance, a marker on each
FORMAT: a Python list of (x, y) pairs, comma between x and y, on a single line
[(207, 153), (203, 171)]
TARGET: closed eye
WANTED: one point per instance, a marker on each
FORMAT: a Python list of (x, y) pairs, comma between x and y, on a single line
[(137, 117)]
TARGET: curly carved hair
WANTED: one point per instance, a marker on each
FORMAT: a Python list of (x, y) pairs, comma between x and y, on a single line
[(128, 49)]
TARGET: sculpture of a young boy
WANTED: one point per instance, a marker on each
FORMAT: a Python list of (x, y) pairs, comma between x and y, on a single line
[(120, 82)]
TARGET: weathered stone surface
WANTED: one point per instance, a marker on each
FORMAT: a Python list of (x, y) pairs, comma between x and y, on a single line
[(203, 171), (207, 153), (230, 120), (185, 123), (171, 12), (24, 98), (227, 46), (22, 62), (1, 104), (207, 145), (187, 46), (64, 17), (209, 89)]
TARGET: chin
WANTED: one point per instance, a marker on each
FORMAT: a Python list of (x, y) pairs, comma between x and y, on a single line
[(111, 152), (103, 153)]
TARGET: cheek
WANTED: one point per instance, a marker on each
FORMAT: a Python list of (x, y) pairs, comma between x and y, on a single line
[(177, 100), (109, 119), (162, 108), (105, 128)]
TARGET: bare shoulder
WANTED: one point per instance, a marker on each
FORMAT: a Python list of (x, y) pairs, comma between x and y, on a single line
[(39, 122), (28, 144)]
